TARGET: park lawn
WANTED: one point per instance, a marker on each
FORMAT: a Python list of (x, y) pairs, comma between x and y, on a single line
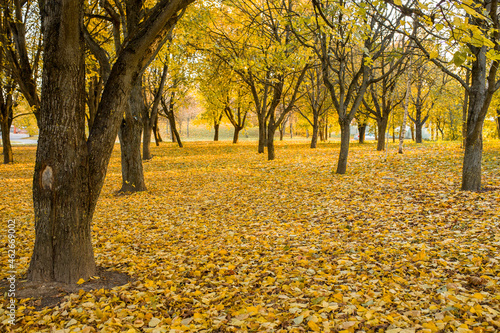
[(224, 240)]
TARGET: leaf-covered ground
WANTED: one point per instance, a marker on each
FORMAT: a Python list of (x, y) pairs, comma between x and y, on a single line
[(227, 241)]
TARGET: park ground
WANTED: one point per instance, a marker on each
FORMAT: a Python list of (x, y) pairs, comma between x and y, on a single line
[(226, 241)]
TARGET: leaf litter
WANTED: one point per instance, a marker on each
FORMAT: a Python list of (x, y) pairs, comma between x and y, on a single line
[(224, 241)]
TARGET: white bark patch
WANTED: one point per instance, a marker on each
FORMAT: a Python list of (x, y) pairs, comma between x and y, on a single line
[(47, 178)]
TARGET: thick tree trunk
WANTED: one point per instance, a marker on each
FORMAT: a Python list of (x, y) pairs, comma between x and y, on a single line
[(381, 130), (130, 142), (362, 132), (471, 172), (418, 132), (62, 198), (216, 132), (236, 134), (345, 138), (7, 146), (314, 139)]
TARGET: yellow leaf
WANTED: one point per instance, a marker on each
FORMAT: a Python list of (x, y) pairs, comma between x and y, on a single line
[(312, 325), (80, 281)]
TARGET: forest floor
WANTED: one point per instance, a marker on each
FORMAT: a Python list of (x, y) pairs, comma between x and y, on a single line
[(224, 240)]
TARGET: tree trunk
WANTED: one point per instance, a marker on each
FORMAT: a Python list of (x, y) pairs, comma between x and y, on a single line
[(7, 146), (130, 142), (362, 131), (314, 139), (345, 138), (216, 134), (270, 142), (262, 135), (62, 198), (471, 172), (236, 134), (291, 129), (156, 132), (418, 132), (405, 115), (412, 131), (146, 141), (381, 129)]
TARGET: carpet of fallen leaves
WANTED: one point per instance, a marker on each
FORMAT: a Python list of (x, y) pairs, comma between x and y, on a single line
[(225, 241)]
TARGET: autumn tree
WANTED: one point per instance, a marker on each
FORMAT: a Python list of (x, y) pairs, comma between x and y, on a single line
[(468, 33), (70, 168), (347, 38)]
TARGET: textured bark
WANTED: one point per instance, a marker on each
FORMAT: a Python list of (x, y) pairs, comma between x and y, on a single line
[(471, 172), (314, 138), (8, 157), (262, 135), (6, 118), (345, 137), (271, 130), (130, 142), (61, 192), (498, 123), (69, 170), (362, 131), (381, 131)]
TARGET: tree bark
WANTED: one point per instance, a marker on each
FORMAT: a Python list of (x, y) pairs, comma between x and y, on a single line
[(236, 134), (418, 132), (216, 132), (381, 130), (262, 135), (471, 172), (345, 137), (8, 157), (130, 142), (314, 138), (271, 130), (61, 191), (70, 170), (362, 131)]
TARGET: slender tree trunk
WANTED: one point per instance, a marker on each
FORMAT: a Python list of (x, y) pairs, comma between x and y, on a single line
[(291, 129), (314, 139), (216, 133), (146, 141), (236, 134), (381, 128), (62, 198), (271, 130), (7, 146), (130, 142), (362, 132), (345, 138), (405, 116), (156, 132), (262, 134), (412, 131)]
